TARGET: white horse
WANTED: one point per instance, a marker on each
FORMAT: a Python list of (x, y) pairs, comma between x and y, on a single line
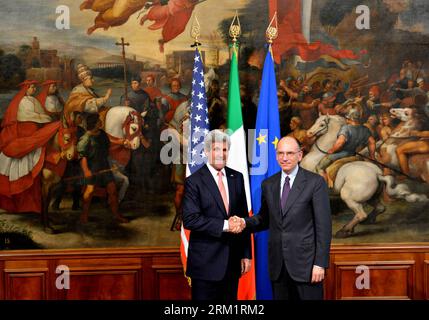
[(356, 182), (325, 129), (123, 126)]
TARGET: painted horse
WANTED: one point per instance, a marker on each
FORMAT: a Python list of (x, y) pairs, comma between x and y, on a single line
[(357, 182), (60, 149), (123, 126)]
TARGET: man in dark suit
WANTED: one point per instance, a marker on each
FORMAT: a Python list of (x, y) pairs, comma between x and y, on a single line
[(295, 208), (213, 195)]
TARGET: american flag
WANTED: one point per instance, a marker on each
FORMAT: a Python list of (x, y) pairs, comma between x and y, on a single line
[(199, 122), (198, 117)]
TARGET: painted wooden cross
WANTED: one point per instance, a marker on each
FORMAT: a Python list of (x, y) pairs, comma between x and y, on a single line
[(123, 44)]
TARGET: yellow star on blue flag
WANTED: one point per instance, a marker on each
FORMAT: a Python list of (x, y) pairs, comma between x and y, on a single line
[(275, 142), (261, 138)]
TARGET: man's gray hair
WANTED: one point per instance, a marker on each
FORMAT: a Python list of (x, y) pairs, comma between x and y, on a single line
[(216, 136)]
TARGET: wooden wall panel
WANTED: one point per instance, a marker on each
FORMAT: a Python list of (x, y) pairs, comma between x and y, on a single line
[(169, 279), (426, 276), (172, 285), (103, 279), (2, 288), (147, 280), (387, 280), (25, 286), (107, 285), (396, 272), (26, 280)]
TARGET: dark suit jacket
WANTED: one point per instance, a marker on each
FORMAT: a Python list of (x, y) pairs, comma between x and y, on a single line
[(301, 235), (211, 251)]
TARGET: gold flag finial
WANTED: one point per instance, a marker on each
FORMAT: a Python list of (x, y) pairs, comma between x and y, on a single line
[(235, 28), (272, 30), (196, 31)]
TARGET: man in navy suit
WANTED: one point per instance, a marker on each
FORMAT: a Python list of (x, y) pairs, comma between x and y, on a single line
[(295, 208), (213, 195)]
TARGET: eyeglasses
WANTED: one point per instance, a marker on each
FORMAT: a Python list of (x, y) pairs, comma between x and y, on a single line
[(288, 154)]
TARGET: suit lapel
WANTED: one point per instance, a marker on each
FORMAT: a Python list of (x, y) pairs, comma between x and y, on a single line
[(230, 178), (275, 188), (211, 184), (297, 187)]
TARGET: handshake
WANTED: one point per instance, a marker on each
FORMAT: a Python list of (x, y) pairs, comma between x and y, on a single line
[(236, 224)]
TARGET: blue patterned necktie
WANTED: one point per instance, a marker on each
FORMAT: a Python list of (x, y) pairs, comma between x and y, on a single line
[(285, 193)]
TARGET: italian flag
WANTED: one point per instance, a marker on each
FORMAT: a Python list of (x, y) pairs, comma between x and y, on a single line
[(237, 160)]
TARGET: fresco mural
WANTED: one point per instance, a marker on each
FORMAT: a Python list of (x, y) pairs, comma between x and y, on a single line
[(80, 139)]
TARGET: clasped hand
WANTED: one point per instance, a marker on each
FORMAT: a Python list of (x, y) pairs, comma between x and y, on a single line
[(236, 224)]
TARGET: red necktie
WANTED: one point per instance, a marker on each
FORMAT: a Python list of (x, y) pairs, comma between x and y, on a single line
[(223, 191)]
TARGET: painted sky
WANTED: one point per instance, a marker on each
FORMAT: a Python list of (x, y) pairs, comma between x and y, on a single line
[(23, 19), (414, 15)]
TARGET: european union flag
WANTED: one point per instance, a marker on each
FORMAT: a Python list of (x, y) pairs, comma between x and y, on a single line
[(264, 165)]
